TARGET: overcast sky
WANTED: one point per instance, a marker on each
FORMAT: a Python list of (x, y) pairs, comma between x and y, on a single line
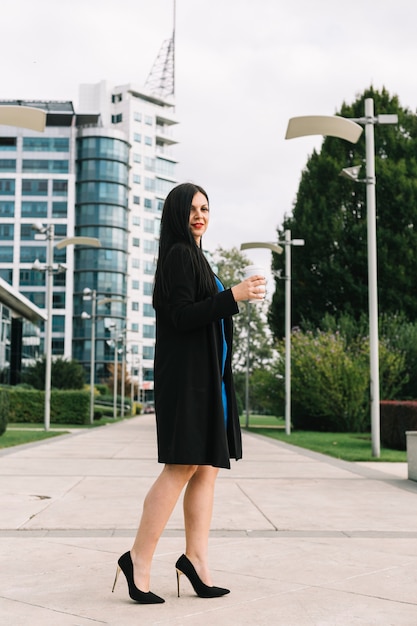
[(243, 68)]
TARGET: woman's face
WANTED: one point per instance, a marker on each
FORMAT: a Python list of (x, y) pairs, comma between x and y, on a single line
[(199, 216)]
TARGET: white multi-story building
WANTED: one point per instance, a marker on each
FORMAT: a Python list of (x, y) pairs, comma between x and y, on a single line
[(103, 171), (148, 122)]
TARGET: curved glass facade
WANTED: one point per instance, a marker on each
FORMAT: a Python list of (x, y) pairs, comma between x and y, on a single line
[(101, 211)]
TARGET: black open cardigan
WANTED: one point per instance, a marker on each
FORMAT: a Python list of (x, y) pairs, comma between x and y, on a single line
[(187, 374)]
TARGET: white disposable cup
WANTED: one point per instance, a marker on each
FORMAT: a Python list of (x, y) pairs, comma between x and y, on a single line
[(255, 270)]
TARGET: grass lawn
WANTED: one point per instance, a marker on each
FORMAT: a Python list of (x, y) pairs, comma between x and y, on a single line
[(17, 437), (346, 446), (18, 433)]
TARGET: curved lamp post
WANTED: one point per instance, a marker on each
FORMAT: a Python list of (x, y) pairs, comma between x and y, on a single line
[(91, 294), (48, 232), (351, 131), (246, 246), (287, 243)]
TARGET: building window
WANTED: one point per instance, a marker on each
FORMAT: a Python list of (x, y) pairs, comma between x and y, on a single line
[(58, 300), (148, 310), (7, 274), (137, 116), (148, 352), (150, 164), (37, 297), (148, 141), (46, 144), (149, 267), (8, 143), (136, 220), (7, 165), (149, 331), (116, 119), (148, 204), (34, 187), (135, 328), (136, 179), (135, 263), (6, 254), (135, 306), (148, 226), (59, 209), (6, 231), (58, 323), (136, 200), (147, 289), (150, 246), (149, 184), (147, 373), (57, 346), (136, 242), (28, 254), (116, 97), (149, 120), (7, 187), (137, 158), (135, 284), (137, 137), (59, 187), (6, 209), (27, 233), (45, 165)]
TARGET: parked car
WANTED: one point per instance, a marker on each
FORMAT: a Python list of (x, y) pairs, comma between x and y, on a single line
[(149, 407)]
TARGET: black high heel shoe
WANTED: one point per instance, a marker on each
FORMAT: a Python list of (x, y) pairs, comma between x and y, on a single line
[(125, 564), (184, 566)]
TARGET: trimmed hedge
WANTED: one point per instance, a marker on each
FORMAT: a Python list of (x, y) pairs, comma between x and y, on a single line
[(4, 410), (67, 407), (396, 418)]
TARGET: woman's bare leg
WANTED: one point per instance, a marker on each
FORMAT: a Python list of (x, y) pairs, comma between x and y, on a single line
[(157, 508), (198, 509)]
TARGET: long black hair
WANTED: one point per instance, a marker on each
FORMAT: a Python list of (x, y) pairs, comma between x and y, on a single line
[(175, 230)]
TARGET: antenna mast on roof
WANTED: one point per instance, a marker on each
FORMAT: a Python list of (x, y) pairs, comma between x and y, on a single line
[(161, 78)]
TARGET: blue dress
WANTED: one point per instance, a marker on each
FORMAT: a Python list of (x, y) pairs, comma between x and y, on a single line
[(224, 356)]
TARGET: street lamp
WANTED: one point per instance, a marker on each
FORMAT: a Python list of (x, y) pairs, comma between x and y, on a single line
[(287, 243), (351, 131), (113, 343), (91, 294), (246, 246), (48, 232)]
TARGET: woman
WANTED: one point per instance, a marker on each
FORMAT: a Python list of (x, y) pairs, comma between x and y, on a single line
[(196, 414)]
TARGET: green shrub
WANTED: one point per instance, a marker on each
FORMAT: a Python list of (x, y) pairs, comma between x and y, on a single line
[(102, 389), (330, 380), (67, 407), (397, 417), (4, 410)]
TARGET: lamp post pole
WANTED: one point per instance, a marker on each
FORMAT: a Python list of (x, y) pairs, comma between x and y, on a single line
[(93, 352), (287, 244), (349, 129), (246, 246), (115, 379), (123, 375), (50, 233), (372, 276), (247, 367)]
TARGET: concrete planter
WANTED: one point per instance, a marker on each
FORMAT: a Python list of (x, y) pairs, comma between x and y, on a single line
[(412, 454)]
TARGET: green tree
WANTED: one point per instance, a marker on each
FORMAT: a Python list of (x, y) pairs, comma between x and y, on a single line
[(230, 265), (329, 274), (65, 374)]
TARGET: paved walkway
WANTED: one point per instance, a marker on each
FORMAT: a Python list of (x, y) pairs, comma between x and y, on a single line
[(300, 539)]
